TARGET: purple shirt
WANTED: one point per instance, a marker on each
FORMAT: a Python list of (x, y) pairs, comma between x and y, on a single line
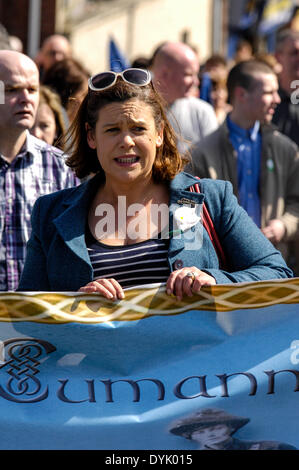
[(38, 169)]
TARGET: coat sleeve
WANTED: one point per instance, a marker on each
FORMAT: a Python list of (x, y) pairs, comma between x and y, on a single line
[(290, 217), (35, 268), (251, 257), (199, 159)]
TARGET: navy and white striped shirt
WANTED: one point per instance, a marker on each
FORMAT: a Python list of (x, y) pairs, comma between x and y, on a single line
[(131, 265)]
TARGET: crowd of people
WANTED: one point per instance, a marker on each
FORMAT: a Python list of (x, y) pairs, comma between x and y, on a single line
[(146, 135)]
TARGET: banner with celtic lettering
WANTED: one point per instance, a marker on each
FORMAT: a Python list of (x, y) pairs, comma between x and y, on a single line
[(215, 371)]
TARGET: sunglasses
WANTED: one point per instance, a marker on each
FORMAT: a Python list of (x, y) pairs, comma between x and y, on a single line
[(105, 80)]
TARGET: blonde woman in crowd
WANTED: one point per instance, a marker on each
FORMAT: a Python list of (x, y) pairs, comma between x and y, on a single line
[(50, 122)]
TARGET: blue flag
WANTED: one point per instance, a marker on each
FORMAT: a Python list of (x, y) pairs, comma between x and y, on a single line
[(118, 62), (206, 88)]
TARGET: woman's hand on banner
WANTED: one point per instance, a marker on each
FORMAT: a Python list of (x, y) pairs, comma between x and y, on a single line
[(188, 281), (108, 288)]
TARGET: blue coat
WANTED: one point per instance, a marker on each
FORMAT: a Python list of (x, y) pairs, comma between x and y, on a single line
[(57, 257)]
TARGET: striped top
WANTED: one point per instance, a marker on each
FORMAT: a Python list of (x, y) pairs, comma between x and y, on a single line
[(131, 265)]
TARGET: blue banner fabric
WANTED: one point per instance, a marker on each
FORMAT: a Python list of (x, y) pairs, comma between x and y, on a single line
[(215, 371)]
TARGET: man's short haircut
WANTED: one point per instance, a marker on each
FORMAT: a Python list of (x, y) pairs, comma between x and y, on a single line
[(156, 53), (162, 57), (244, 75), (283, 36)]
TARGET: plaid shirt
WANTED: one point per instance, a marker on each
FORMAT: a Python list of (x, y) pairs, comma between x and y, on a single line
[(38, 169)]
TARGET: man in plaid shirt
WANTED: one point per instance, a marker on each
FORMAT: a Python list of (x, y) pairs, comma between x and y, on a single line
[(29, 167)]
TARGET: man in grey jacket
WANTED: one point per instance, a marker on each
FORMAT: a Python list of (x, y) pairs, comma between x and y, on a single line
[(260, 162)]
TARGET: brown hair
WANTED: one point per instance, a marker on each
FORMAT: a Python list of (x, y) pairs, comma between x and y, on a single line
[(67, 77), (49, 97), (83, 160), (215, 60), (244, 74)]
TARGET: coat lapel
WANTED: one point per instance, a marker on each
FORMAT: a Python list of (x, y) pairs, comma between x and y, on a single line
[(228, 158), (180, 194), (71, 224)]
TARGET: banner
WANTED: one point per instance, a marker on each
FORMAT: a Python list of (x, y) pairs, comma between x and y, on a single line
[(276, 14), (214, 371), (267, 15)]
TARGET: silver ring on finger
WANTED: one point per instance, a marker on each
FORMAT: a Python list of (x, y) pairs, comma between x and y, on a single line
[(192, 276)]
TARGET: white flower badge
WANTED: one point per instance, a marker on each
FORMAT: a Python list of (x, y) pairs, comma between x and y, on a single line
[(186, 217)]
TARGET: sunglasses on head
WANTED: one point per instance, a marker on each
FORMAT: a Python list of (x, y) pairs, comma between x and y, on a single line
[(105, 80)]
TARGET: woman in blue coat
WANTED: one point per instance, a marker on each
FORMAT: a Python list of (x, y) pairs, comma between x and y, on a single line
[(137, 221)]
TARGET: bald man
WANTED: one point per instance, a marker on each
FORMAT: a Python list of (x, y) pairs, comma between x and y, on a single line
[(28, 166), (175, 69), (54, 48)]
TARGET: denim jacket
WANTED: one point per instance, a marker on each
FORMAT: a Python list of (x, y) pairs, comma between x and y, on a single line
[(57, 257)]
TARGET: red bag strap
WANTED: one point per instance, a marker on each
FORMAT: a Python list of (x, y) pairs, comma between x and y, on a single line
[(209, 226)]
